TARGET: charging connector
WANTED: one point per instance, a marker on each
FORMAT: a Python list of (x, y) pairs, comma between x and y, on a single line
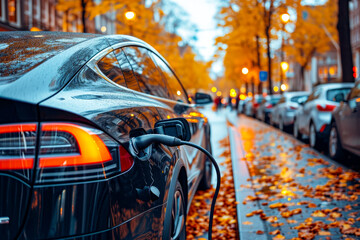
[(141, 142)]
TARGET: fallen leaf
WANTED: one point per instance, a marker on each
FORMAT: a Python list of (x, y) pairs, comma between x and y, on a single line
[(324, 233), (247, 223), (278, 237), (277, 231)]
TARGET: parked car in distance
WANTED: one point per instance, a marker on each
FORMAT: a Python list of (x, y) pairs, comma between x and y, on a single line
[(265, 109), (283, 112), (241, 106), (251, 106), (345, 125), (313, 118), (70, 104)]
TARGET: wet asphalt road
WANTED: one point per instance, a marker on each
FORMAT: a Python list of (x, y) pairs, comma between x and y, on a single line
[(285, 189)]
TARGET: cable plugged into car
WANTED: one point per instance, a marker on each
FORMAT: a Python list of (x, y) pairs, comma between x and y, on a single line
[(175, 132)]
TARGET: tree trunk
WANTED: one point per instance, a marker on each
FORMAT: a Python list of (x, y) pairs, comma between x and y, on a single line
[(253, 85), (269, 59), (83, 12), (343, 27), (302, 79), (258, 62)]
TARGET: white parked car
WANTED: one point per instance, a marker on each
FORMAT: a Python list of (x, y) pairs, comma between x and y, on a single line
[(313, 118), (283, 112), (251, 106), (266, 107)]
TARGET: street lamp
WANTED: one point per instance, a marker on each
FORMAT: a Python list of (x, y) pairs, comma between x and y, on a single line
[(130, 17), (285, 18), (245, 70), (284, 66)]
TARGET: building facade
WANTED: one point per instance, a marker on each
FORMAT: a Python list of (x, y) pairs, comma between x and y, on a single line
[(45, 15), (355, 33)]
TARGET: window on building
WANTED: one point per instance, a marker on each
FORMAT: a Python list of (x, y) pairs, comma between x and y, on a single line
[(12, 11), (1, 10), (332, 70)]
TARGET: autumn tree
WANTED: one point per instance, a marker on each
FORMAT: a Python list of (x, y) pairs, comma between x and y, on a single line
[(314, 30), (154, 25), (241, 44), (343, 27), (252, 25)]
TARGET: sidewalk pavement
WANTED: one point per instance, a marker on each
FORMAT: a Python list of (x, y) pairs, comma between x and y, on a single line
[(287, 190)]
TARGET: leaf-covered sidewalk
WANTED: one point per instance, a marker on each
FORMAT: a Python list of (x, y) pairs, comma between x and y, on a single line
[(225, 220), (299, 194)]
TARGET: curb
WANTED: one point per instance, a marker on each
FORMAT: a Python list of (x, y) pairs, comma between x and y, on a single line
[(240, 175)]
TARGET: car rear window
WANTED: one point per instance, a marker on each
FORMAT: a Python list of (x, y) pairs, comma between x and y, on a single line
[(330, 94), (22, 52), (298, 99), (274, 101), (259, 99)]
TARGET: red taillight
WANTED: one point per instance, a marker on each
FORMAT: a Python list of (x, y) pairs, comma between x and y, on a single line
[(17, 146), (269, 106), (126, 160), (66, 152), (293, 107), (322, 128), (91, 150), (326, 108), (75, 152)]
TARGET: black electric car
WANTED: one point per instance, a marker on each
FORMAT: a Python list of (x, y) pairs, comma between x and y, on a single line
[(70, 103)]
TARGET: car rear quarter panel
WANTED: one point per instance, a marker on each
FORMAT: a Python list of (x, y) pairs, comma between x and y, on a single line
[(80, 208), (86, 207)]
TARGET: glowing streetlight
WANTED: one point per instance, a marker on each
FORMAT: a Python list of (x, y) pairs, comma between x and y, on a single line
[(284, 66), (285, 18), (103, 29), (232, 92), (218, 94), (245, 70), (283, 87), (130, 15), (178, 93), (276, 89), (213, 89)]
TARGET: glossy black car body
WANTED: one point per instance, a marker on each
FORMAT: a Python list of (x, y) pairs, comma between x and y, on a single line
[(66, 79)]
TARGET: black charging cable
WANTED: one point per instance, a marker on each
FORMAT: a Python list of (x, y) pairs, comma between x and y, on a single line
[(143, 141)]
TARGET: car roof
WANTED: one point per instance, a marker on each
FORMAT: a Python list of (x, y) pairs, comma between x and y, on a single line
[(294, 94), (43, 62), (334, 85)]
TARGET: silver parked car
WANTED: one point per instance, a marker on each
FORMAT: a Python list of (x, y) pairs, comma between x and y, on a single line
[(241, 106), (283, 113), (345, 125), (251, 106), (313, 118), (264, 110)]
